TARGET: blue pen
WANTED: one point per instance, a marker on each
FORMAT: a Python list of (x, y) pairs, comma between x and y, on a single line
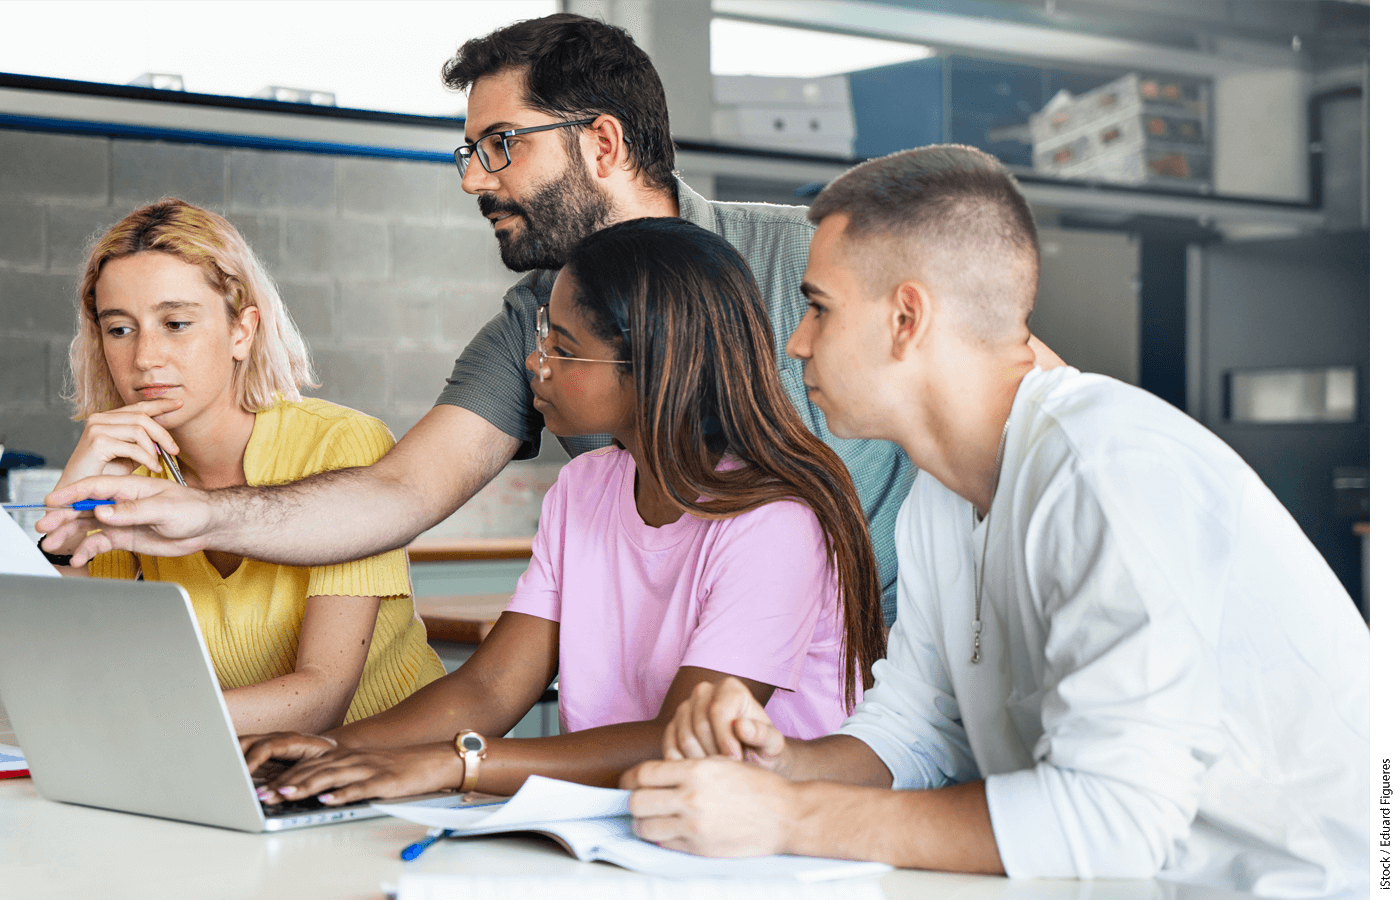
[(81, 505), (413, 851)]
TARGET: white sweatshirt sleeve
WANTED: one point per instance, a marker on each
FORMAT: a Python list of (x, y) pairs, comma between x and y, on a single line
[(910, 718)]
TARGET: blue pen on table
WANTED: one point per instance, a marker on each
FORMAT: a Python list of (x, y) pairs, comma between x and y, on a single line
[(413, 851), (80, 505)]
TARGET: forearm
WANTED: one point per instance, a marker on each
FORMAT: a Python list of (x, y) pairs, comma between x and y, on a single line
[(488, 694), (436, 712), (836, 757), (331, 517), (597, 756), (328, 518), (356, 512), (948, 829), (304, 700)]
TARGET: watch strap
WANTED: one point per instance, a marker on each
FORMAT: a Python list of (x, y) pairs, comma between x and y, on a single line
[(472, 748), (57, 559)]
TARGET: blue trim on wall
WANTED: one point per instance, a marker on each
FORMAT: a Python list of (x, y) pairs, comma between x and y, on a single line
[(216, 138), (219, 101), (225, 139)]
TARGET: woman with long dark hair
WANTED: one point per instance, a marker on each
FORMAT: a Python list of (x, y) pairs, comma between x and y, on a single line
[(716, 537)]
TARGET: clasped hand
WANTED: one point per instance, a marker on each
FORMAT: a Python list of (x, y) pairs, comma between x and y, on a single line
[(719, 790), (723, 720), (337, 775)]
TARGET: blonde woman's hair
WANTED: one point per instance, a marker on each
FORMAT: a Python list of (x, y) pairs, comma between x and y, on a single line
[(277, 366)]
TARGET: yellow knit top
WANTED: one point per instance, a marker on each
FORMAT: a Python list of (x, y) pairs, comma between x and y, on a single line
[(252, 620)]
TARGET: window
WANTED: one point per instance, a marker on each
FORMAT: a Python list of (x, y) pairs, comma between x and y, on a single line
[(748, 48), (370, 55)]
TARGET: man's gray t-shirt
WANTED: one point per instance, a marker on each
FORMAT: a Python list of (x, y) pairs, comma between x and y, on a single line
[(490, 378)]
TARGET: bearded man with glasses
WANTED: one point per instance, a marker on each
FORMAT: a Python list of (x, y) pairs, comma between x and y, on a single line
[(566, 132)]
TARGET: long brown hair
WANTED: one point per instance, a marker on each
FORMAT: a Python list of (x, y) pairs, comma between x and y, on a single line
[(681, 305)]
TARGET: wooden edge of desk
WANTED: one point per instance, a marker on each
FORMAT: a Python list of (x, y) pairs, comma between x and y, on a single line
[(456, 631), (468, 549), (461, 619)]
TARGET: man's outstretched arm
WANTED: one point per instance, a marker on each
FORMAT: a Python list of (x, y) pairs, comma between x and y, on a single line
[(328, 518)]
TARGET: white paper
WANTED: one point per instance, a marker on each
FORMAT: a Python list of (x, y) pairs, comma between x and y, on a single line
[(539, 801), (11, 758), (19, 553), (440, 886), (595, 823)]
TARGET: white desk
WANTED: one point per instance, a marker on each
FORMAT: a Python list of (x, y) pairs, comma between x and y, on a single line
[(56, 850)]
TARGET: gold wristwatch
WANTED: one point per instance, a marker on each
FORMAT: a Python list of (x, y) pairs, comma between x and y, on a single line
[(472, 748)]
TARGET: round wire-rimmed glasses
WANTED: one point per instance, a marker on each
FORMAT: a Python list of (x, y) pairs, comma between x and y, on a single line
[(542, 332), (493, 150)]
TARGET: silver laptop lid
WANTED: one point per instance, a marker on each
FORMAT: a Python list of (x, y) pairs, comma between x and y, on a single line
[(114, 700)]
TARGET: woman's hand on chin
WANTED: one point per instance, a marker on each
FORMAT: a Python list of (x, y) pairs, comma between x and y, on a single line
[(115, 442), (347, 775)]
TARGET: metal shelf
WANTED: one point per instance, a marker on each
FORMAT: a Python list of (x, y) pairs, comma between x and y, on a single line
[(28, 104)]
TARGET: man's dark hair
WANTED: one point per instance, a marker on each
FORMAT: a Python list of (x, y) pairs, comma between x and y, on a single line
[(576, 67)]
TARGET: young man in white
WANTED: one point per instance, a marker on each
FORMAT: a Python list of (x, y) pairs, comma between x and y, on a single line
[(1116, 655)]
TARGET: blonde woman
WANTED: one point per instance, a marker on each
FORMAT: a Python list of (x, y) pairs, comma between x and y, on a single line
[(184, 347)]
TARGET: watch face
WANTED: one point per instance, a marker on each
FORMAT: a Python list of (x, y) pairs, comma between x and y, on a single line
[(471, 743)]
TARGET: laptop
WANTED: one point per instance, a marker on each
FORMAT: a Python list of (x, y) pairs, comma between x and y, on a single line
[(113, 698)]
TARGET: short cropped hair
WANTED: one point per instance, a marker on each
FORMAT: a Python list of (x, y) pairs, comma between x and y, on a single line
[(576, 67), (277, 366), (953, 210)]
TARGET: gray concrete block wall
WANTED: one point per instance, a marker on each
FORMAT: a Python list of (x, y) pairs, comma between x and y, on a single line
[(387, 267)]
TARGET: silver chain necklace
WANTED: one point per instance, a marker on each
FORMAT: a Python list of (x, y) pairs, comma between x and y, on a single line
[(982, 568)]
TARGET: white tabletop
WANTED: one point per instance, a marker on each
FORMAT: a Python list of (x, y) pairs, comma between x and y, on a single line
[(57, 850)]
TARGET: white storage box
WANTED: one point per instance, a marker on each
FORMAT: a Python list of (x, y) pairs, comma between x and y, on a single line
[(1139, 165), (1128, 96), (802, 115), (761, 90), (1133, 130)]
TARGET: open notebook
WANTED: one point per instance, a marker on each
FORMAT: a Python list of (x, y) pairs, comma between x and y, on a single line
[(593, 824)]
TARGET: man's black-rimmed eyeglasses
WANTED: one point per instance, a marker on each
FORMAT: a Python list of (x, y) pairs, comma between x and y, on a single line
[(493, 150)]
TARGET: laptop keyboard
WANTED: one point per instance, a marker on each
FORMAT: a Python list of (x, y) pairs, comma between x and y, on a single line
[(290, 808)]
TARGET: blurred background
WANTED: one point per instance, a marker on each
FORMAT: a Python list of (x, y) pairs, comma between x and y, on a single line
[(1199, 169)]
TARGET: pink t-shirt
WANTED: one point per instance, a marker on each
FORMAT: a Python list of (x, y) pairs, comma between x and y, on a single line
[(751, 596)]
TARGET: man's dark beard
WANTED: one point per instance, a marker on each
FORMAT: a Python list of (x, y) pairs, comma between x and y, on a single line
[(554, 219)]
